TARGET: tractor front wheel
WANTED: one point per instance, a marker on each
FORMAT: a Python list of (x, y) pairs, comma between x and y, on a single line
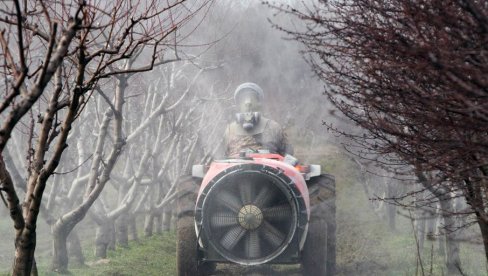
[(186, 239), (188, 259)]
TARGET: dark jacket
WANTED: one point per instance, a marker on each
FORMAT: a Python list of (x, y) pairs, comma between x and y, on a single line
[(268, 135)]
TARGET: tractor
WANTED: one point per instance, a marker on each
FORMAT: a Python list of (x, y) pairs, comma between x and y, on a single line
[(261, 208)]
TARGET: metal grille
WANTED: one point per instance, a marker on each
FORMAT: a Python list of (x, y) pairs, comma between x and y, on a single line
[(249, 217)]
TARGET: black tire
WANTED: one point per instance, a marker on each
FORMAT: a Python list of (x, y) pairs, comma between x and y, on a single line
[(186, 240), (314, 254), (186, 247), (188, 259), (323, 208)]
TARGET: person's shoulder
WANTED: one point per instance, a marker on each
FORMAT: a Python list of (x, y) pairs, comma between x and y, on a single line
[(270, 123)]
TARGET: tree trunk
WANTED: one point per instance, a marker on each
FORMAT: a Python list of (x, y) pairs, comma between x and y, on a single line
[(430, 227), (25, 245), (420, 223), (112, 239), (442, 245), (158, 221), (121, 222), (148, 224), (103, 238), (420, 220), (167, 220), (75, 250), (133, 227), (453, 262), (474, 197), (122, 230), (60, 252), (392, 192), (174, 217), (484, 233)]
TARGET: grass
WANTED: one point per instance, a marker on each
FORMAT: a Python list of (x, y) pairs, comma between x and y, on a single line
[(150, 256), (366, 245), (153, 255)]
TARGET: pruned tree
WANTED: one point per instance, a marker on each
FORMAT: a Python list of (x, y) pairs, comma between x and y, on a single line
[(413, 75), (55, 55), (177, 139)]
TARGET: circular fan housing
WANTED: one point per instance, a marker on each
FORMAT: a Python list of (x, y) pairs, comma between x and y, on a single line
[(249, 213)]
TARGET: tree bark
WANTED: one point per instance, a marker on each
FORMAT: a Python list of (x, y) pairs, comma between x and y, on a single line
[(121, 223), (442, 246), (475, 199), (133, 228), (122, 230), (158, 221), (103, 236), (112, 240), (453, 262), (60, 252), (431, 225), (68, 221), (167, 220), (484, 233), (75, 250), (392, 192), (420, 223), (25, 245), (148, 224), (420, 220)]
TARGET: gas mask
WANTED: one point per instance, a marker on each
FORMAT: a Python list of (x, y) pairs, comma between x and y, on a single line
[(248, 101), (247, 120)]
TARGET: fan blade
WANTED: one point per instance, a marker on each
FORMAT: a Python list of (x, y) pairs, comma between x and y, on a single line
[(232, 237), (252, 245), (272, 235), (277, 213), (263, 197), (223, 219), (231, 201), (245, 190)]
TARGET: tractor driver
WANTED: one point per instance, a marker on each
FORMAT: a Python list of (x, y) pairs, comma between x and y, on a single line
[(251, 131)]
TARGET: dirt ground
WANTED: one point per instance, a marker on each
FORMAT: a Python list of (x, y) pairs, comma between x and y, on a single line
[(264, 270)]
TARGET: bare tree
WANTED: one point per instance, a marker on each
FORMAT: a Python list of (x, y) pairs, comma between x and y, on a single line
[(413, 75), (58, 52)]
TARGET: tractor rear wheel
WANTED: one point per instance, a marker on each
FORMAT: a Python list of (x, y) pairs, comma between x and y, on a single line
[(314, 257), (323, 214)]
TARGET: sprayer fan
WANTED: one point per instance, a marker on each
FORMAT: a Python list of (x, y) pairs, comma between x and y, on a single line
[(249, 216)]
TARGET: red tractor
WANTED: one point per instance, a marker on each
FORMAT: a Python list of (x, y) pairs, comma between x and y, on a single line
[(258, 209)]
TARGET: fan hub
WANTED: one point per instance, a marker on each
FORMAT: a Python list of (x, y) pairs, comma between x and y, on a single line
[(250, 217)]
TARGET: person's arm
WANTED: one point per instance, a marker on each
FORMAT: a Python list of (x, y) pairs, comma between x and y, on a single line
[(286, 147)]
